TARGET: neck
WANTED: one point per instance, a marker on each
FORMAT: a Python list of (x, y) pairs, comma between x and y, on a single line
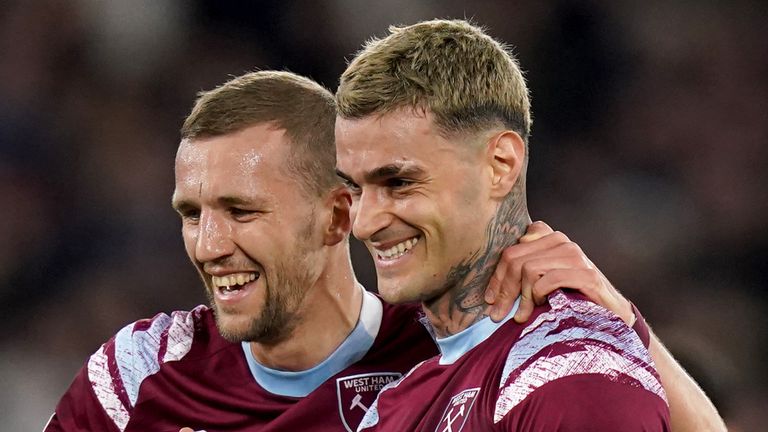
[(462, 303), (329, 313)]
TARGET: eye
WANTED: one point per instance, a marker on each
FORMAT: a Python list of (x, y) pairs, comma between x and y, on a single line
[(353, 187), (243, 215), (398, 183), (189, 214)]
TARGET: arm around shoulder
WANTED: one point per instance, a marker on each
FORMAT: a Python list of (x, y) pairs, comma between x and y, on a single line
[(690, 407)]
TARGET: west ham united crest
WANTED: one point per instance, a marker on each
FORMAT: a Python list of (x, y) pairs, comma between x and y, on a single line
[(356, 393), (457, 411)]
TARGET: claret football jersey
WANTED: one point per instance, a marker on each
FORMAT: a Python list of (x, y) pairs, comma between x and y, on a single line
[(573, 367), (176, 371)]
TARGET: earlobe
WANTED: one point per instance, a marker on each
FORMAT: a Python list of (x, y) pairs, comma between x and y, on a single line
[(506, 154), (340, 224)]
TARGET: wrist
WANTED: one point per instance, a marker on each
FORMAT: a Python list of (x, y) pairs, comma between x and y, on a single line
[(640, 326)]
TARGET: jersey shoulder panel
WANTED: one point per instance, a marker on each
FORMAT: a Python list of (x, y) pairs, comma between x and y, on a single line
[(117, 370), (574, 338)]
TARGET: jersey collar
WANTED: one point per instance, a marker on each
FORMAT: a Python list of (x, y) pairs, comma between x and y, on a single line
[(354, 347), (455, 346)]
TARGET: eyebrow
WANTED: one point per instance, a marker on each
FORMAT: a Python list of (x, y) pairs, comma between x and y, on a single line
[(181, 204), (344, 176), (385, 172), (235, 201), (225, 201)]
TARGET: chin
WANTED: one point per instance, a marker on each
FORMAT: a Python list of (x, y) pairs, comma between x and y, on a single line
[(398, 294), (234, 329)]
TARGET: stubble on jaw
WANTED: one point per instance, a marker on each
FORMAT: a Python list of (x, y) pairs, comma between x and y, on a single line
[(284, 297)]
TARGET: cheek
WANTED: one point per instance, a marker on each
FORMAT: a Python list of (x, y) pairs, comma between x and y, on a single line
[(430, 214), (418, 208), (458, 220)]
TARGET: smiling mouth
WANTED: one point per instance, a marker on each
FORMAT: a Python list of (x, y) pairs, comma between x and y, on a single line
[(397, 250), (233, 282)]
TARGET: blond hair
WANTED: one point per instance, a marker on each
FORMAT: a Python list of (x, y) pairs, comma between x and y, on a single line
[(300, 106), (466, 79)]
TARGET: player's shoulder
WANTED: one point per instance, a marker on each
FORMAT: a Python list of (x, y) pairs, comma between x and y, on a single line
[(116, 371), (140, 348), (574, 337), (162, 338), (571, 320)]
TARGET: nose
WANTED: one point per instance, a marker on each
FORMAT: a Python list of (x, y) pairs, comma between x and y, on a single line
[(370, 214), (214, 239)]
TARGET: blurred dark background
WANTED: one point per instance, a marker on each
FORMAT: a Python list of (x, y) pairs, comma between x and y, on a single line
[(649, 150)]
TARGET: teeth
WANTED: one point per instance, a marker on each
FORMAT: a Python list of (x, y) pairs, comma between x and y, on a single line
[(233, 280), (399, 249)]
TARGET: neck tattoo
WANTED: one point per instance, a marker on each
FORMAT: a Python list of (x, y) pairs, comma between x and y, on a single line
[(467, 281)]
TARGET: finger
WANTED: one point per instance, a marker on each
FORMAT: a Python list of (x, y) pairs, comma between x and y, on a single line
[(536, 266), (588, 281), (585, 281), (519, 277), (536, 287), (499, 274), (554, 251), (505, 279), (529, 274), (532, 270), (536, 231), (186, 429), (524, 310), (505, 299), (507, 274), (548, 241), (492, 290)]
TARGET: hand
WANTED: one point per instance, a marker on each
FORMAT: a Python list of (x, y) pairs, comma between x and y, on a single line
[(544, 261), (186, 429)]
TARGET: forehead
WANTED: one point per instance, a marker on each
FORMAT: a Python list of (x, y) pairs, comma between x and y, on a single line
[(402, 136), (243, 161)]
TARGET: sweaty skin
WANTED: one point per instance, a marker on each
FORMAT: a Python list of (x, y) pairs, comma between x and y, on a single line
[(411, 184), (232, 193)]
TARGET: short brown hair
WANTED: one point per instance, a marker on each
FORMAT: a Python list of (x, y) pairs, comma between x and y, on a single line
[(469, 81), (300, 106)]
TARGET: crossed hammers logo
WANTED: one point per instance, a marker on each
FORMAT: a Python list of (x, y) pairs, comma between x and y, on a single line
[(356, 403)]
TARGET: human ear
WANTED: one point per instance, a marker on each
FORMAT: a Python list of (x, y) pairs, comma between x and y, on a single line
[(506, 157), (340, 224)]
